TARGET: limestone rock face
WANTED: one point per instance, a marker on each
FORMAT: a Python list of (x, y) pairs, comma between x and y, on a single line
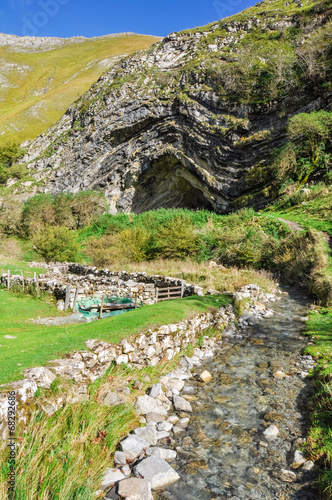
[(157, 131)]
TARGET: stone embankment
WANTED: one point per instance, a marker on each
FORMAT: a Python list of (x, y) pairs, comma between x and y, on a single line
[(140, 464)]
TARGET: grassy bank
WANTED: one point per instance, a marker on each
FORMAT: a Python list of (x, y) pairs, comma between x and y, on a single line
[(35, 344), (319, 445), (64, 456)]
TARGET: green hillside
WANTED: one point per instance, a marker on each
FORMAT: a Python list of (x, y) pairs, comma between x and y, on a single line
[(36, 88)]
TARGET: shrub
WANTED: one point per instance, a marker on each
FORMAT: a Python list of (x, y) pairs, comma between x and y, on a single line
[(56, 244), (177, 239)]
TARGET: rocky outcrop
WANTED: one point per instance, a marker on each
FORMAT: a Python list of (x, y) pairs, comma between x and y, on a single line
[(175, 126)]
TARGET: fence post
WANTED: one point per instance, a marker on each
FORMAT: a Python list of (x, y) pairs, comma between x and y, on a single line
[(182, 289), (157, 294), (101, 307), (8, 279), (75, 299), (37, 286), (136, 298), (67, 297)]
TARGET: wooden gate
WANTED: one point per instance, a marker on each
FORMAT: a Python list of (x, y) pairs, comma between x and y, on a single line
[(170, 293)]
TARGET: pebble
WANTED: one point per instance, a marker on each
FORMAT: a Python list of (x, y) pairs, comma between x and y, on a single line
[(271, 433), (205, 376), (181, 404)]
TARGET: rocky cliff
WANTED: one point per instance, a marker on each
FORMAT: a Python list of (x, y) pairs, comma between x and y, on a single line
[(196, 120)]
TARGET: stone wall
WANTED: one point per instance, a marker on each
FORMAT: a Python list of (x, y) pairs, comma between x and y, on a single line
[(97, 282)]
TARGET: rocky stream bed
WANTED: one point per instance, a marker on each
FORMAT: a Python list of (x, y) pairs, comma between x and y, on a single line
[(259, 383)]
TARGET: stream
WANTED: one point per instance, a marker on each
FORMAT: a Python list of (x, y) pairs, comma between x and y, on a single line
[(223, 452)]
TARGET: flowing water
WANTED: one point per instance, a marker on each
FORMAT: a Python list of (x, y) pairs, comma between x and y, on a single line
[(223, 453)]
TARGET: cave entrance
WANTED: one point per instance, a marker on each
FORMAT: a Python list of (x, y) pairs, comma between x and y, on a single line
[(168, 184)]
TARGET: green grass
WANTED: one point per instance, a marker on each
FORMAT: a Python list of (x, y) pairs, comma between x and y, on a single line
[(38, 96), (15, 267), (315, 213), (64, 456), (319, 442), (37, 344)]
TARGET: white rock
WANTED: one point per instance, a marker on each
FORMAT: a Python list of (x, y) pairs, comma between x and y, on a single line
[(146, 404), (155, 391), (157, 471), (186, 362), (173, 419), (110, 477), (163, 453), (162, 435), (120, 458), (42, 376), (165, 426), (271, 433), (122, 359), (135, 489), (307, 466), (25, 389), (298, 459), (126, 470), (287, 475), (147, 433), (205, 376), (181, 404), (183, 422), (154, 417), (133, 446)]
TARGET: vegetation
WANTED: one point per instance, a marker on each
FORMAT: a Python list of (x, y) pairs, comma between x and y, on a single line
[(319, 443), (35, 344), (313, 132), (65, 456)]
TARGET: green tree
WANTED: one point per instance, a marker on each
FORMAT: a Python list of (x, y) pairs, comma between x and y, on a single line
[(313, 133), (38, 212), (56, 244)]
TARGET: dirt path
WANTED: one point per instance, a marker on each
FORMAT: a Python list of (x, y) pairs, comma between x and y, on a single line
[(294, 225), (291, 224)]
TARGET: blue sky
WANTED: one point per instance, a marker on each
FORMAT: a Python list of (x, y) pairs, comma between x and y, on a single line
[(65, 18)]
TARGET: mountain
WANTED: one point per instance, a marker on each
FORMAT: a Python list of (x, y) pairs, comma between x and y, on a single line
[(40, 77), (198, 119)]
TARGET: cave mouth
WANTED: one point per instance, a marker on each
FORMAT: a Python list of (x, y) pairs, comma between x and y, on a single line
[(168, 184)]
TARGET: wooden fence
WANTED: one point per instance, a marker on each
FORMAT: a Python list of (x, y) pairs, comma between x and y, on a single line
[(170, 293)]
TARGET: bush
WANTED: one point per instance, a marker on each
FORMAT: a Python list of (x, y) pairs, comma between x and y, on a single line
[(312, 132), (177, 239), (130, 245), (67, 210), (56, 244), (9, 155)]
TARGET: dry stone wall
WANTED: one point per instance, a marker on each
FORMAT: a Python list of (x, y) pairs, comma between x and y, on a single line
[(96, 282)]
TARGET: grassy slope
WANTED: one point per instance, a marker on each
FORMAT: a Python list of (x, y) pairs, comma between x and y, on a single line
[(25, 115), (319, 444), (37, 344), (310, 212)]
